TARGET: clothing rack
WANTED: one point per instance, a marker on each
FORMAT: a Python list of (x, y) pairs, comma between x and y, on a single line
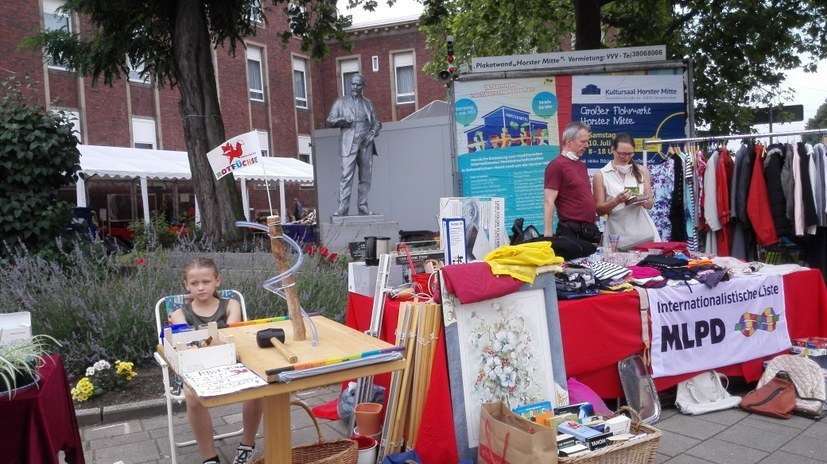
[(728, 137)]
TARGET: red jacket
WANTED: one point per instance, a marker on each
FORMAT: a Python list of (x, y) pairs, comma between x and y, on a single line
[(758, 202)]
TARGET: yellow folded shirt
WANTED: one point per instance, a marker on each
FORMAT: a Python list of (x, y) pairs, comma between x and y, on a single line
[(521, 261)]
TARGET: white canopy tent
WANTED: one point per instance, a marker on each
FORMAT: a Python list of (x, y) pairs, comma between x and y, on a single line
[(131, 163)]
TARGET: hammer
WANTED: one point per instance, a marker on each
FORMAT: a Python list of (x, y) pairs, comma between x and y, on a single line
[(275, 338)]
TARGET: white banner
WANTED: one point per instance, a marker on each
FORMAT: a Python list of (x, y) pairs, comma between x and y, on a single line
[(569, 59), (700, 328), (236, 153)]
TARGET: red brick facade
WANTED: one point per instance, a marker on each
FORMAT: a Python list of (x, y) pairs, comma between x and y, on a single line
[(106, 112)]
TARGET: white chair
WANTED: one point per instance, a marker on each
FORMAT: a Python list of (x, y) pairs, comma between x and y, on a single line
[(163, 308)]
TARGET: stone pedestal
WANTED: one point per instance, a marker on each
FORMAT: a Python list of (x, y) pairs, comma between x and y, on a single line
[(342, 230)]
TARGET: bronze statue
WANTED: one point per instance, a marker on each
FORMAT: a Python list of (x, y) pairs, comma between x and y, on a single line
[(356, 116)]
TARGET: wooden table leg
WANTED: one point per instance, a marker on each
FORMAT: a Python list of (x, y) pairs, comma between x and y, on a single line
[(277, 433)]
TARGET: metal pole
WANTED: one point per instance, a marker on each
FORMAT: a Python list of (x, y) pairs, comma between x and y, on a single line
[(690, 95)]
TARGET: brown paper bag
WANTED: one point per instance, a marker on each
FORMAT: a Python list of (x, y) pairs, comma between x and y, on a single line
[(507, 438)]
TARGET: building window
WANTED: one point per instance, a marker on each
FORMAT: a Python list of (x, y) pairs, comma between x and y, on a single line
[(348, 69), (403, 65), (305, 153), (143, 133), (300, 82), (254, 73), (263, 142), (256, 12), (55, 21), (135, 70)]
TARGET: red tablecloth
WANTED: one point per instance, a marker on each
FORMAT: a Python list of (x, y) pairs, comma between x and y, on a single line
[(37, 423), (597, 333)]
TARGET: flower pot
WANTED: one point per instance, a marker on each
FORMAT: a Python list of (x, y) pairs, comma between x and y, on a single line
[(24, 382), (368, 418)]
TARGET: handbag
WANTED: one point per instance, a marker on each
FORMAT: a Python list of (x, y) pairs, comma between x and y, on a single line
[(505, 437), (807, 378), (775, 398), (704, 393)]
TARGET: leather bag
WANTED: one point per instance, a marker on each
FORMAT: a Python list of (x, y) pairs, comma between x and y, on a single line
[(776, 398), (808, 379)]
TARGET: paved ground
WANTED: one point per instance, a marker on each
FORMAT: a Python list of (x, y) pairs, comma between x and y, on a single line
[(726, 437)]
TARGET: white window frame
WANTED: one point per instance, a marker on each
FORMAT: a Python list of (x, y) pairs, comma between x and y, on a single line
[(143, 133), (347, 67), (50, 8), (404, 60), (135, 71), (300, 67), (264, 142), (254, 62), (305, 151)]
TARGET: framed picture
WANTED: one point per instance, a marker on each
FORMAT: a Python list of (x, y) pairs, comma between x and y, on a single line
[(505, 349)]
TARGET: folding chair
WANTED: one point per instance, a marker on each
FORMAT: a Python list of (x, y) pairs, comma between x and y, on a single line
[(163, 308)]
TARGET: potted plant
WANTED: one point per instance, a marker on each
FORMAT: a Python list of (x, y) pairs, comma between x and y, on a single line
[(20, 361)]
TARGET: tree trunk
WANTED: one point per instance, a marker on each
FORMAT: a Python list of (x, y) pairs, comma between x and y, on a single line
[(587, 24), (218, 200)]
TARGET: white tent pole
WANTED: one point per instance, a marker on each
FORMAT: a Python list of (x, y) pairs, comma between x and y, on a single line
[(145, 198), (245, 199), (282, 205), (80, 188)]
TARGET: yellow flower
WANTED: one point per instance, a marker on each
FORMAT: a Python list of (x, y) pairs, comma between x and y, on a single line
[(83, 390), (124, 369)]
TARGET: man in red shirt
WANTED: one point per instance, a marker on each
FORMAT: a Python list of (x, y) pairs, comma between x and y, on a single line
[(568, 189)]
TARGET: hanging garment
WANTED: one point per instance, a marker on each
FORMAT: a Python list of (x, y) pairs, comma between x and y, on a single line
[(663, 183), (788, 181), (773, 164), (711, 204), (676, 208), (798, 194), (631, 222), (738, 202), (689, 200), (810, 218), (723, 178), (758, 203), (819, 155)]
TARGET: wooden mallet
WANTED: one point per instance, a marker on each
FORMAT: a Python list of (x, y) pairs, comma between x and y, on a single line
[(275, 338)]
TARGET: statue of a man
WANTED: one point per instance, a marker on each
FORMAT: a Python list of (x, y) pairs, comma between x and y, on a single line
[(356, 116)]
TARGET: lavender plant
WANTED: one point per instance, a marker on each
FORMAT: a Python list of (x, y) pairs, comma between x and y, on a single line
[(101, 306)]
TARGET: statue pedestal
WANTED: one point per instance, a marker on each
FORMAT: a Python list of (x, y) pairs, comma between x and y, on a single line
[(341, 230)]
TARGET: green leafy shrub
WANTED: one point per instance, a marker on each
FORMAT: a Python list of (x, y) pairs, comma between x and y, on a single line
[(38, 156)]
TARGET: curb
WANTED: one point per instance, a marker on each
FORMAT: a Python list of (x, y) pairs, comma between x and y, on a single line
[(124, 412)]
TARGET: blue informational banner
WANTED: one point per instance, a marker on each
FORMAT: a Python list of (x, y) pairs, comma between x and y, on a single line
[(646, 107), (507, 132)]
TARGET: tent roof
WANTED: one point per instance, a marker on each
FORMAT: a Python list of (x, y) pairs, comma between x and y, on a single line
[(119, 162), (435, 108)]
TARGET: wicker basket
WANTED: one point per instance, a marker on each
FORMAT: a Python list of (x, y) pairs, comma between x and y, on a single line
[(341, 451), (639, 451)]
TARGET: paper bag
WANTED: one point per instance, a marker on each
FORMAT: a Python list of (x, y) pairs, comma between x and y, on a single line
[(507, 438)]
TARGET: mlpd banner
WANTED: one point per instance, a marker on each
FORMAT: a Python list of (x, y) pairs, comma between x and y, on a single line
[(698, 328)]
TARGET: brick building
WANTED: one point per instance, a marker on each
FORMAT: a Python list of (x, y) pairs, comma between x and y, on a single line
[(277, 90)]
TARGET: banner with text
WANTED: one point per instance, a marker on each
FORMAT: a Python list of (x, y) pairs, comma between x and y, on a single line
[(236, 153), (700, 328), (506, 133), (646, 107)]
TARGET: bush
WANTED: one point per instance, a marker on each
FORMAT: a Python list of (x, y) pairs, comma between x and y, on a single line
[(101, 306)]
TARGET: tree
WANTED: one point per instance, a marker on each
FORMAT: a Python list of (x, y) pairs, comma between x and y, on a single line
[(174, 40), (819, 121), (740, 50), (38, 156)]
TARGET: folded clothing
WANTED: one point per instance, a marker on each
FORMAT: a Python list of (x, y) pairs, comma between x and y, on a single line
[(474, 282), (666, 248)]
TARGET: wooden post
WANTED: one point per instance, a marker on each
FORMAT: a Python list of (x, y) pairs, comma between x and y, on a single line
[(289, 282)]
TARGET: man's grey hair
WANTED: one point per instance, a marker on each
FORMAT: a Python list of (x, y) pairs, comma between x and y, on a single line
[(571, 130)]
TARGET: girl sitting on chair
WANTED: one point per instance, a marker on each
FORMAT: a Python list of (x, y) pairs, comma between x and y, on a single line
[(202, 280)]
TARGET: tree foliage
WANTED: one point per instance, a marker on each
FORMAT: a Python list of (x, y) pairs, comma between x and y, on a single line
[(740, 50), (819, 121), (38, 156), (174, 41)]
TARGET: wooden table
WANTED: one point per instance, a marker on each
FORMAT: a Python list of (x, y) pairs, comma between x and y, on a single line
[(335, 340)]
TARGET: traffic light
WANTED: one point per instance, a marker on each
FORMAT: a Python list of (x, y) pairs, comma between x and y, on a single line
[(447, 74)]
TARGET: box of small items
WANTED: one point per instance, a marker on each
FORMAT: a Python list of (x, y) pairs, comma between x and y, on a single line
[(195, 350)]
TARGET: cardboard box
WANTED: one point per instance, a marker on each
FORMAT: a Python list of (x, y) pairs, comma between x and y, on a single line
[(15, 326), (618, 425), (579, 431), (808, 351), (572, 450), (565, 440), (598, 441), (183, 358)]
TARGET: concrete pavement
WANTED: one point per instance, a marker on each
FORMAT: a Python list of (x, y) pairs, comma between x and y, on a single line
[(138, 434)]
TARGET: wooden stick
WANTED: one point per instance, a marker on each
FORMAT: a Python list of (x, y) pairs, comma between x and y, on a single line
[(289, 282), (284, 351), (401, 409)]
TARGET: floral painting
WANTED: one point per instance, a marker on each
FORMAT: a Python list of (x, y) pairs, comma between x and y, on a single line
[(504, 354)]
